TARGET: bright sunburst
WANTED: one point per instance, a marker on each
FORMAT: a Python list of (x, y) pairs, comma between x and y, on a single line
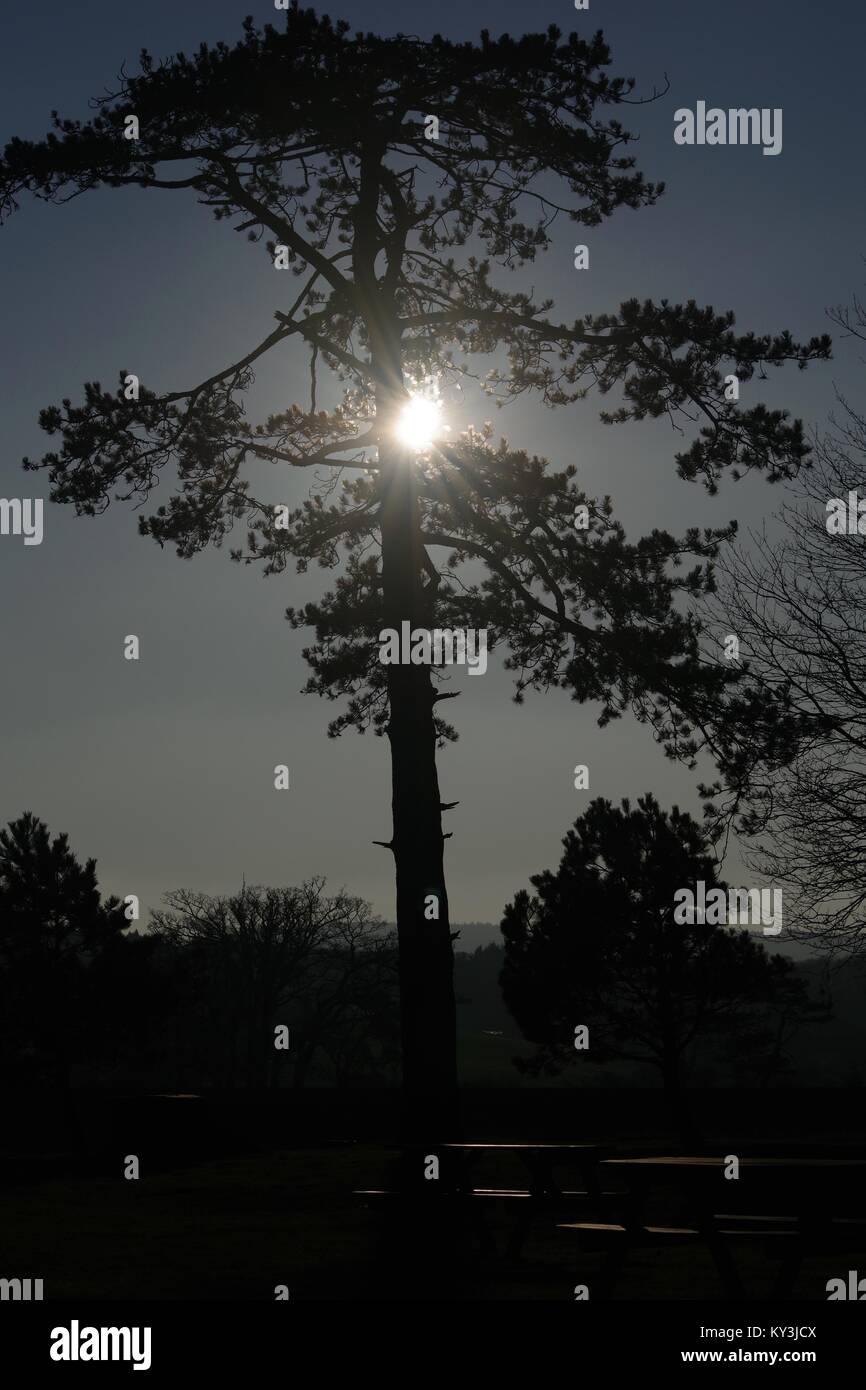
[(420, 423)]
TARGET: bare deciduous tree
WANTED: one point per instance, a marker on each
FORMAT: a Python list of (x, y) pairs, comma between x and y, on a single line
[(323, 966), (797, 601)]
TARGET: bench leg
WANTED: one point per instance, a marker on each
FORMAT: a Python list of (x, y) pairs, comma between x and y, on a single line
[(612, 1264), (519, 1232), (783, 1286), (480, 1228), (727, 1270)]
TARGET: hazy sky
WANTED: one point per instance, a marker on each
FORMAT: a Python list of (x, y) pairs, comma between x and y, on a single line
[(163, 769)]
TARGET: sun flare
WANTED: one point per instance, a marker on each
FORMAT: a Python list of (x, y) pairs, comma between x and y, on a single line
[(420, 423)]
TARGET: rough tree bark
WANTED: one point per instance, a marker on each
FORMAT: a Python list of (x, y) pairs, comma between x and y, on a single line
[(426, 957), (426, 968)]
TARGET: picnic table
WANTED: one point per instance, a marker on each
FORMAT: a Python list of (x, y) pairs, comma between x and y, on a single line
[(796, 1206), (459, 1194), (539, 1160)]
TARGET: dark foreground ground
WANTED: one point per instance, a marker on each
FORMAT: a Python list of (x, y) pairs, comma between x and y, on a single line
[(227, 1207), (236, 1228)]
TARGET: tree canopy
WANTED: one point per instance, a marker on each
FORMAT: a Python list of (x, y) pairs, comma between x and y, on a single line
[(315, 139), (597, 945)]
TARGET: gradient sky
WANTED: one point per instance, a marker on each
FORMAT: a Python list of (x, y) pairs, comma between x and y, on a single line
[(163, 769)]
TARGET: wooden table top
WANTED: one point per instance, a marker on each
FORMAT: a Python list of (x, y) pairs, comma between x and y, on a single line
[(531, 1148), (699, 1162)]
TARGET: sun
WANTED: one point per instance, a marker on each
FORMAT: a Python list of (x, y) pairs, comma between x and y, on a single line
[(420, 423)]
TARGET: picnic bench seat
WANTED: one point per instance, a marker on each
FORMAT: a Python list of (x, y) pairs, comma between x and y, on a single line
[(476, 1201), (616, 1240), (605, 1231), (420, 1194), (783, 1235)]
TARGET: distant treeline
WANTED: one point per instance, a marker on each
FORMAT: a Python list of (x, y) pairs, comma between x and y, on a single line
[(294, 987), (832, 1054)]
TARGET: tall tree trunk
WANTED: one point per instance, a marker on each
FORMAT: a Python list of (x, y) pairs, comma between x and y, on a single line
[(679, 1109), (426, 957)]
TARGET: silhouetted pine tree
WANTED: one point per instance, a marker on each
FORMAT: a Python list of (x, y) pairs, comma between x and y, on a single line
[(597, 946), (54, 928), (320, 142)]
